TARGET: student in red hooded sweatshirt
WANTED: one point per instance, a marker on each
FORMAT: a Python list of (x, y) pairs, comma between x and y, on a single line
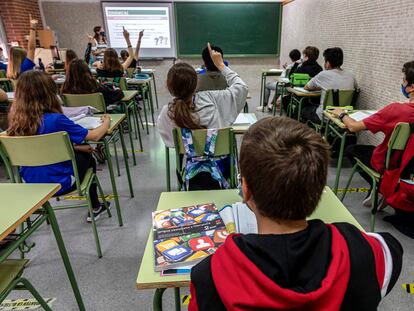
[(293, 264)]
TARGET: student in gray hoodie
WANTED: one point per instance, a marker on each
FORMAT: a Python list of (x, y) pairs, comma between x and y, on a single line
[(207, 109)]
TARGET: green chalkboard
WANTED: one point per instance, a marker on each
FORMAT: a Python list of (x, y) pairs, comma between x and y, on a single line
[(240, 29)]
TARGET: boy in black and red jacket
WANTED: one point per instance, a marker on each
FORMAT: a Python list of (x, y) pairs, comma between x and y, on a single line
[(293, 264)]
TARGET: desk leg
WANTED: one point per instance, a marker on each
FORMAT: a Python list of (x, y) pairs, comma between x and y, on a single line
[(125, 153), (281, 100), (262, 86), (155, 90), (177, 299), (64, 254), (167, 168), (157, 301), (339, 165), (151, 103), (275, 100), (113, 182), (145, 108)]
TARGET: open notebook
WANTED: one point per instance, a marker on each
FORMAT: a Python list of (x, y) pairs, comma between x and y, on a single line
[(238, 218), (361, 115), (89, 123), (301, 89)]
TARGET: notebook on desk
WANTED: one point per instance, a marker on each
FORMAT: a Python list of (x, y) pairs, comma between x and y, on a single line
[(361, 115), (10, 95), (302, 90), (245, 119)]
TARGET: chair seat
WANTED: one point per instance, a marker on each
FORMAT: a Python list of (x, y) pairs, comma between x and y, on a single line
[(10, 269), (368, 170), (84, 185)]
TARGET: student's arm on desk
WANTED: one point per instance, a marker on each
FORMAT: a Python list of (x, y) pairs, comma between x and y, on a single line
[(313, 84), (99, 132), (352, 125), (3, 96)]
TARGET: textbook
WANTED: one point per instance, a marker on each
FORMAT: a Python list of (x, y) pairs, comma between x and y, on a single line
[(185, 236)]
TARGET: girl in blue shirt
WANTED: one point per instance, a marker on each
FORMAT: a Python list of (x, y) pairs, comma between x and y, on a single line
[(36, 110), (21, 60)]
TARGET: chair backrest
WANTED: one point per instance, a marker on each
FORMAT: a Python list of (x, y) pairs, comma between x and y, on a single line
[(3, 74), (398, 140), (95, 100), (341, 98), (118, 82), (130, 72), (224, 143), (44, 150), (224, 146), (7, 85)]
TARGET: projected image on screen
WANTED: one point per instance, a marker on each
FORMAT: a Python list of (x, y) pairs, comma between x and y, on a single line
[(153, 20)]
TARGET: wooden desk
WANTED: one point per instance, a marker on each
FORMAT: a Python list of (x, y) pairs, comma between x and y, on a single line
[(330, 210), (129, 95), (18, 203), (265, 74), (297, 98), (54, 71)]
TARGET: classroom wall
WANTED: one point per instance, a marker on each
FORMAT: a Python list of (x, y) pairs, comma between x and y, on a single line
[(73, 18), (15, 17), (375, 36)]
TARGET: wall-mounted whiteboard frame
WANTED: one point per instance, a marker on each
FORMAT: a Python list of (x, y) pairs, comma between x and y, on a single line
[(146, 53)]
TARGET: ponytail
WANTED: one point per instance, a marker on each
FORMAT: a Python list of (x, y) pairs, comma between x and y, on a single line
[(181, 111)]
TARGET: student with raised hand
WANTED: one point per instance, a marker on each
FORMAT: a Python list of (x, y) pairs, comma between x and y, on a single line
[(111, 67), (292, 263), (212, 79), (333, 77), (207, 109), (37, 110), (124, 53), (21, 60)]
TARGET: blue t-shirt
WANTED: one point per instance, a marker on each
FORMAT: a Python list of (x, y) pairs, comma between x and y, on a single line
[(61, 173), (26, 65)]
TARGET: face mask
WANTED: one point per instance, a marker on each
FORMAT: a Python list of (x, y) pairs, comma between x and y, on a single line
[(403, 90), (102, 33)]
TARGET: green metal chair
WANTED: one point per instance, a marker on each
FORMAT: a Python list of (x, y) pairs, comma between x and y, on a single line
[(11, 271), (95, 100), (225, 146), (7, 84), (398, 141), (45, 150), (336, 98)]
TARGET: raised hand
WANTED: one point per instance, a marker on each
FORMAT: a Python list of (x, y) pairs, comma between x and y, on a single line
[(125, 32), (33, 21), (141, 34), (216, 58)]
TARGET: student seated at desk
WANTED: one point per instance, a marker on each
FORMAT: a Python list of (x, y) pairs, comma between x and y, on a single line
[(292, 263), (333, 77), (294, 56), (383, 121), (309, 66), (70, 56), (212, 79), (207, 109), (21, 60), (124, 53), (111, 67), (36, 110), (79, 80)]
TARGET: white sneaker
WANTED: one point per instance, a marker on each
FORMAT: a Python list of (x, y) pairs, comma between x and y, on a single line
[(381, 202), (266, 108), (367, 201)]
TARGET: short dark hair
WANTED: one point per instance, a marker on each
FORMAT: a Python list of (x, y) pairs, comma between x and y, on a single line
[(408, 70), (311, 52), (124, 54), (335, 56), (208, 62), (294, 55), (285, 166)]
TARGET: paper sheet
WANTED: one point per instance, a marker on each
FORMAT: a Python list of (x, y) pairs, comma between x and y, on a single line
[(361, 115), (89, 123), (245, 119)]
